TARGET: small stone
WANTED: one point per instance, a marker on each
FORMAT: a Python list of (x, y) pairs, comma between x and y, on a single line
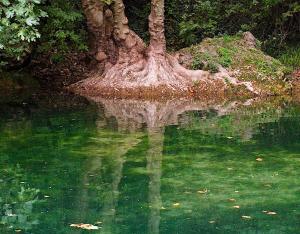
[(249, 39), (101, 56)]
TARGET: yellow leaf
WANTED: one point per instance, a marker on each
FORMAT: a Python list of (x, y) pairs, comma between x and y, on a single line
[(204, 191), (85, 226)]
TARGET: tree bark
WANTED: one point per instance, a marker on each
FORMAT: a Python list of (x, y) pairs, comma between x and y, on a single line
[(156, 27), (100, 25), (130, 67)]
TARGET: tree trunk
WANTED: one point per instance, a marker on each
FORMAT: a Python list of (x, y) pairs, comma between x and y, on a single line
[(100, 25), (156, 27), (131, 68)]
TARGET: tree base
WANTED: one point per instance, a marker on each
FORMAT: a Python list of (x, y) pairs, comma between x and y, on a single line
[(158, 76)]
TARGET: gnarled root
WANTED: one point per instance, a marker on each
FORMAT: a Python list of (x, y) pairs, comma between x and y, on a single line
[(157, 74)]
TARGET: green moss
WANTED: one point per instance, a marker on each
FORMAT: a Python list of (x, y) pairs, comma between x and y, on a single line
[(226, 56), (204, 61), (247, 63)]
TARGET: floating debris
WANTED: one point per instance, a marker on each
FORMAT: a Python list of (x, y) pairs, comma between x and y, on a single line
[(85, 226), (269, 212), (212, 221), (259, 159), (176, 204), (231, 200), (236, 207), (204, 191), (246, 217)]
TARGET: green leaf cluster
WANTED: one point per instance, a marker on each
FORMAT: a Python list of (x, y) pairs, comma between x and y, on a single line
[(19, 21), (64, 29)]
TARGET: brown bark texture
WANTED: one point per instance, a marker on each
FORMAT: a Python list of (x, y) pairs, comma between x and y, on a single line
[(130, 65)]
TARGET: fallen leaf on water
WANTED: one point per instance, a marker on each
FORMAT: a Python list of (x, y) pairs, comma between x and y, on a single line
[(163, 208), (259, 159), (85, 226), (246, 217), (202, 191), (212, 221), (231, 200), (176, 204), (18, 230), (236, 207), (229, 137), (271, 213)]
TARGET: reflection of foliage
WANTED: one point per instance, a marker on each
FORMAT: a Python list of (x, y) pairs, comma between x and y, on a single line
[(99, 175), (16, 200)]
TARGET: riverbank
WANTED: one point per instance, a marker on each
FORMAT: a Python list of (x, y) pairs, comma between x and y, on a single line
[(232, 67), (239, 57)]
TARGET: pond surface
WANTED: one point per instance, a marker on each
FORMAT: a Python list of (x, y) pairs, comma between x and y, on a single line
[(144, 167)]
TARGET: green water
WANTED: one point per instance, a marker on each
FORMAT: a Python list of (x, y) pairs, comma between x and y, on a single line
[(150, 168)]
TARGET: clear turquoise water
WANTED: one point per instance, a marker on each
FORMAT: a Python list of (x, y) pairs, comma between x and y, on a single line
[(127, 170)]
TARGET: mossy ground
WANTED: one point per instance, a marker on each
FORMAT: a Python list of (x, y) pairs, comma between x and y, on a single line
[(290, 56), (246, 63)]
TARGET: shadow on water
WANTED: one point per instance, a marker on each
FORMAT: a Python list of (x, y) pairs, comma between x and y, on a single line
[(151, 167)]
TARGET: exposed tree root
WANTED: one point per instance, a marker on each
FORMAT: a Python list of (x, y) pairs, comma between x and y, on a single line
[(131, 68), (158, 76)]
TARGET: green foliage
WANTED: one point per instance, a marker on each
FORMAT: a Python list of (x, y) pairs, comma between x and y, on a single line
[(269, 20), (64, 29), (22, 22), (290, 56), (19, 21), (137, 12), (16, 200), (225, 56), (204, 61)]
